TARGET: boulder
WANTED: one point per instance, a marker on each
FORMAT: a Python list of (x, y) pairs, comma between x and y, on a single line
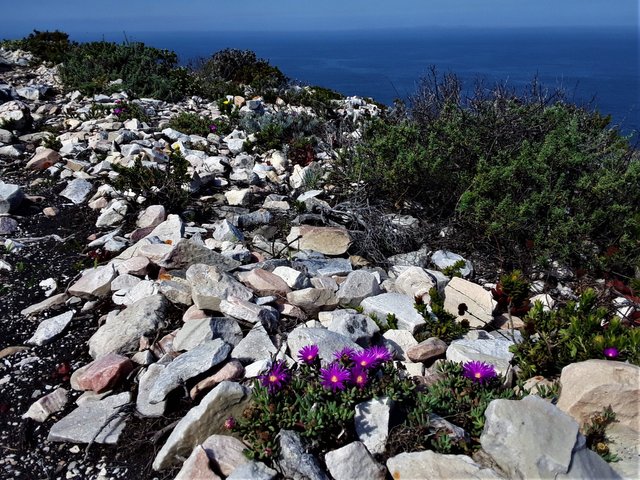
[(312, 300), (351, 324), (40, 410), (207, 418), (225, 453), (253, 471), (197, 467), (199, 330), (397, 304), (429, 464), (588, 387), (43, 159), (77, 190), (415, 282), (256, 345), (16, 114), (326, 240), (353, 461), (427, 350), (372, 423), (264, 283), (483, 348), (295, 463), (469, 301), (95, 282), (102, 374), (50, 328), (443, 259), (358, 286), (11, 197), (210, 285)]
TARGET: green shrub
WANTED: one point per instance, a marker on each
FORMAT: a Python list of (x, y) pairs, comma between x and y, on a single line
[(191, 124), (164, 185), (576, 332), (46, 46), (231, 66), (445, 326), (145, 71), (538, 177), (284, 130)]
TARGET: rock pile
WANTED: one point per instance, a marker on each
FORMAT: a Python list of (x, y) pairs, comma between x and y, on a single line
[(249, 294)]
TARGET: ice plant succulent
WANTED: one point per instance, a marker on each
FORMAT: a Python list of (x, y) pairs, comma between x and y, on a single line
[(276, 377), (478, 371), (611, 353), (308, 354), (366, 359), (344, 355), (381, 353), (359, 377), (334, 377)]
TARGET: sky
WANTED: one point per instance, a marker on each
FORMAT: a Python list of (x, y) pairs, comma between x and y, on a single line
[(83, 16)]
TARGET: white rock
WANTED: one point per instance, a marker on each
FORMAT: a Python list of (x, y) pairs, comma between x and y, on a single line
[(45, 406), (397, 304), (429, 464), (372, 423), (353, 461), (50, 328), (479, 302)]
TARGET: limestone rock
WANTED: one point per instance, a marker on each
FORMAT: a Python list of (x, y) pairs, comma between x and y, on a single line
[(248, 311), (399, 342), (353, 461), (225, 452), (210, 285), (95, 282), (443, 259), (196, 467), (207, 418), (429, 464), (188, 365), (479, 303), (311, 300), (122, 332), (294, 462), (45, 406), (151, 216), (429, 349), (294, 279), (101, 374), (199, 330), (11, 197), (255, 346), (358, 286), (415, 282), (485, 348), (326, 240), (351, 324), (50, 328), (397, 304), (372, 423), (77, 190), (232, 370), (265, 283), (253, 471), (145, 383), (588, 387), (85, 423), (17, 113), (531, 438)]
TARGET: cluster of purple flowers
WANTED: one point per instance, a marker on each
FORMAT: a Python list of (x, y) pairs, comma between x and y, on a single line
[(349, 368)]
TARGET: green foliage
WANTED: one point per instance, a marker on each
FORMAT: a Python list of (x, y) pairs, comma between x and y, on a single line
[(512, 293), (46, 46), (323, 417), (444, 326), (52, 142), (191, 124), (454, 270), (145, 71), (576, 332), (232, 67), (164, 186), (594, 431), (540, 177), (126, 110), (283, 130), (319, 98), (456, 398)]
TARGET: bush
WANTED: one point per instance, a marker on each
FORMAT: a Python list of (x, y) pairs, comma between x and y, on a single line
[(145, 71), (231, 66), (535, 174), (46, 46)]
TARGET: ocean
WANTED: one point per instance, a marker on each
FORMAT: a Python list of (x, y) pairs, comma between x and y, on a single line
[(598, 66)]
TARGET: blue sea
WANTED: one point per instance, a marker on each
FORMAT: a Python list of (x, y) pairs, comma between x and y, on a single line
[(598, 66)]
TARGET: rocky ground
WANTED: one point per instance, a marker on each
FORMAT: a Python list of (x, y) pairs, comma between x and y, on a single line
[(130, 333)]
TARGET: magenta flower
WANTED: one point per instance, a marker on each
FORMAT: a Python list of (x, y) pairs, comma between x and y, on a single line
[(117, 111), (308, 354), (381, 353), (334, 376), (611, 352), (345, 355), (276, 377), (230, 423), (366, 359), (213, 128), (479, 371), (359, 376)]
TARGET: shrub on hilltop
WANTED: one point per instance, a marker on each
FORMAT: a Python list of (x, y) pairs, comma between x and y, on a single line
[(46, 46), (530, 173)]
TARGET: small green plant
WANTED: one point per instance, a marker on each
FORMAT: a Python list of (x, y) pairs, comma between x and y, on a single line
[(455, 269), (595, 432), (20, 267), (52, 142), (390, 323), (512, 293), (576, 332), (191, 124), (165, 186), (445, 325), (126, 110)]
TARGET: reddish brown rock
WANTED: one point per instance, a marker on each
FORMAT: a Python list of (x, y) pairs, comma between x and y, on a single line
[(233, 370), (44, 159), (265, 283), (429, 349), (102, 374)]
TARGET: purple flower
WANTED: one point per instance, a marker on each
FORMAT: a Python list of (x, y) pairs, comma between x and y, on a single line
[(479, 371), (334, 376), (230, 423), (359, 376), (381, 353), (345, 355), (117, 111), (611, 352), (308, 354), (276, 377), (366, 359), (213, 128)]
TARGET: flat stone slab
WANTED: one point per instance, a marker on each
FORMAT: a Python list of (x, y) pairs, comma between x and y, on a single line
[(85, 423), (397, 304), (50, 328), (326, 240)]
